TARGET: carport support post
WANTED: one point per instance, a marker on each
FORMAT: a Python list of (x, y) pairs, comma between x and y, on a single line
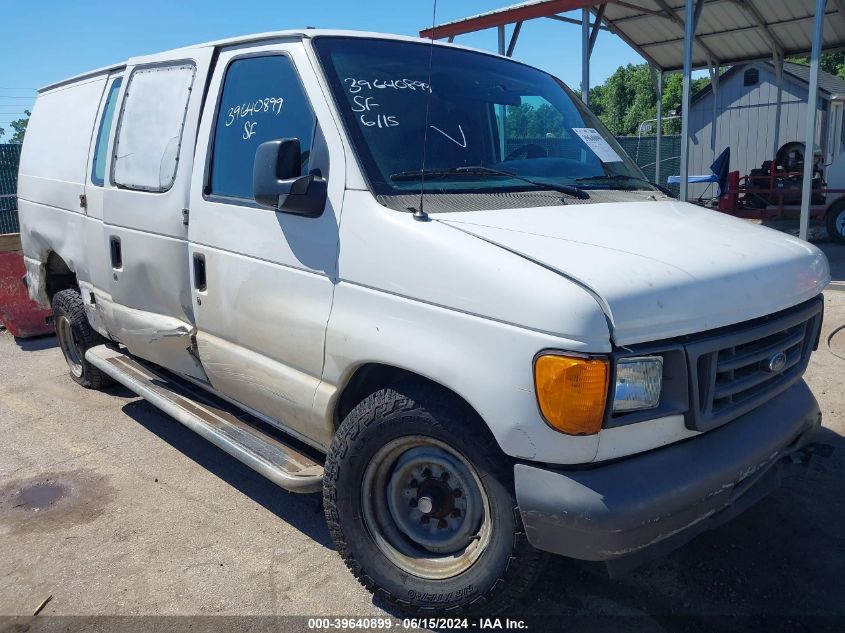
[(812, 113), (659, 86), (778, 62), (501, 108), (690, 15), (714, 83), (585, 55)]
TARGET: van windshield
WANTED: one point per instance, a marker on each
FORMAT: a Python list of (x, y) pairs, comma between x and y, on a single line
[(493, 124)]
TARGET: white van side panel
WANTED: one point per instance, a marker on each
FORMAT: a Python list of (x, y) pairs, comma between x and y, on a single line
[(54, 158), (53, 169)]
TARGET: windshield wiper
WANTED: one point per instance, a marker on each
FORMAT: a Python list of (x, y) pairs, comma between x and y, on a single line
[(481, 170), (616, 177)]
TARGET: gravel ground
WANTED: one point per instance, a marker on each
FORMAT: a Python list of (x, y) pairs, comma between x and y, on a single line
[(152, 519)]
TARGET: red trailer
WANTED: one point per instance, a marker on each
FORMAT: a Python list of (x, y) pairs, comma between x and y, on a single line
[(21, 316)]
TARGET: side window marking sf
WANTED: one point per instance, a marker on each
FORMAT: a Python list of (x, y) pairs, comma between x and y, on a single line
[(262, 100), (98, 168)]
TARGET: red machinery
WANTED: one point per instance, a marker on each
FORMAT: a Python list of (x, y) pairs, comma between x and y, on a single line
[(774, 190)]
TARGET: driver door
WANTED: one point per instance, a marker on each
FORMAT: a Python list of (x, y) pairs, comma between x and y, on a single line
[(263, 280)]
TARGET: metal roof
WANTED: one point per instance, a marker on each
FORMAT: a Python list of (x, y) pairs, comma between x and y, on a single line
[(729, 31)]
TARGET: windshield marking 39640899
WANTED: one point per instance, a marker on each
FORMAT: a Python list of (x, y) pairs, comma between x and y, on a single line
[(494, 125)]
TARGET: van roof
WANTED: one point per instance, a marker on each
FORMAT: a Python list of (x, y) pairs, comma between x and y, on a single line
[(255, 37)]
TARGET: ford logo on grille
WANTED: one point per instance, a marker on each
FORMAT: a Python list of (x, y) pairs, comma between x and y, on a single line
[(776, 363)]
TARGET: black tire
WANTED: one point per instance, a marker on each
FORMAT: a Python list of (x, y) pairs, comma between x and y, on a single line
[(76, 336), (835, 221), (506, 567)]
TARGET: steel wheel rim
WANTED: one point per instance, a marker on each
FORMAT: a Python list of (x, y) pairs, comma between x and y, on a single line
[(405, 482), (70, 346)]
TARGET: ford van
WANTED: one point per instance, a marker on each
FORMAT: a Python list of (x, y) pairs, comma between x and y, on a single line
[(425, 281)]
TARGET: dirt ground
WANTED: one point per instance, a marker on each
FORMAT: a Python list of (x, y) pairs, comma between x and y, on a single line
[(124, 511)]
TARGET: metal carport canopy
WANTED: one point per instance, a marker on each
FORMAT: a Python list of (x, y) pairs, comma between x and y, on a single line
[(728, 31)]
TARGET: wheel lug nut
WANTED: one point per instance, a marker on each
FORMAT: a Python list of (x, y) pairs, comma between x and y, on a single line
[(456, 513), (442, 524), (425, 519), (457, 492)]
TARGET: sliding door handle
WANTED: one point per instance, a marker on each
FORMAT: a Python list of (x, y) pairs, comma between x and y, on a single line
[(116, 252)]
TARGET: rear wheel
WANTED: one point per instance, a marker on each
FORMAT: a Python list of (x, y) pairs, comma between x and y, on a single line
[(75, 337), (835, 221), (419, 502)]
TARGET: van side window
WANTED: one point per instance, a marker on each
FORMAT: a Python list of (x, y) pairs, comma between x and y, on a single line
[(262, 100), (98, 168), (149, 135)]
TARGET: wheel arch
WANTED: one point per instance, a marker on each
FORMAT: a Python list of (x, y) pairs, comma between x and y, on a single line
[(370, 377), (58, 275)]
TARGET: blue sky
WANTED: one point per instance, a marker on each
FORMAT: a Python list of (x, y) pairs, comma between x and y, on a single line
[(47, 40)]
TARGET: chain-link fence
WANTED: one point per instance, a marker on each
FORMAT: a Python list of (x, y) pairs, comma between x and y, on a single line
[(643, 150), (10, 154)]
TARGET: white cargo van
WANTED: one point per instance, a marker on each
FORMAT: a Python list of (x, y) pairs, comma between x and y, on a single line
[(426, 281)]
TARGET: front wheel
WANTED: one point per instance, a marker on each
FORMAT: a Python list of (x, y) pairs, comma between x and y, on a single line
[(419, 502), (835, 221)]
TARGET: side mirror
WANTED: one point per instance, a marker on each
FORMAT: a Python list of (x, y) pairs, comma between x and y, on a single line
[(276, 180)]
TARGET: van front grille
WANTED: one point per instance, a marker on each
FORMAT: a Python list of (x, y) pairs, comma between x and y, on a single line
[(739, 369)]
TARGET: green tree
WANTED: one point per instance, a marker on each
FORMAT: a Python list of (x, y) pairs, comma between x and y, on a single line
[(628, 98), (622, 102), (833, 63), (19, 126)]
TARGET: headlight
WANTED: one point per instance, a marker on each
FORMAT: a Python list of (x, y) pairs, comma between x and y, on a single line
[(638, 382), (572, 392)]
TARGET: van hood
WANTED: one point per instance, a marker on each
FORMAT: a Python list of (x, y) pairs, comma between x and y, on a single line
[(660, 268)]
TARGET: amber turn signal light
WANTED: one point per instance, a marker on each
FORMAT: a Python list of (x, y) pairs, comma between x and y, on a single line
[(572, 392)]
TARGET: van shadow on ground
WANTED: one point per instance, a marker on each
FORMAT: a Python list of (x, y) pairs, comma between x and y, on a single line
[(301, 511), (836, 258)]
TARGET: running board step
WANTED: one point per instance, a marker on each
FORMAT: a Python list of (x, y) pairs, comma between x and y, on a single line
[(238, 435)]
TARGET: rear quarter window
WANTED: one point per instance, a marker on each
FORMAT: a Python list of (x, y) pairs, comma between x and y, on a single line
[(98, 168)]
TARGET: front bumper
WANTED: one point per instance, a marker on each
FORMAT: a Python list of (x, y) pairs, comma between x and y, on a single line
[(644, 506)]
